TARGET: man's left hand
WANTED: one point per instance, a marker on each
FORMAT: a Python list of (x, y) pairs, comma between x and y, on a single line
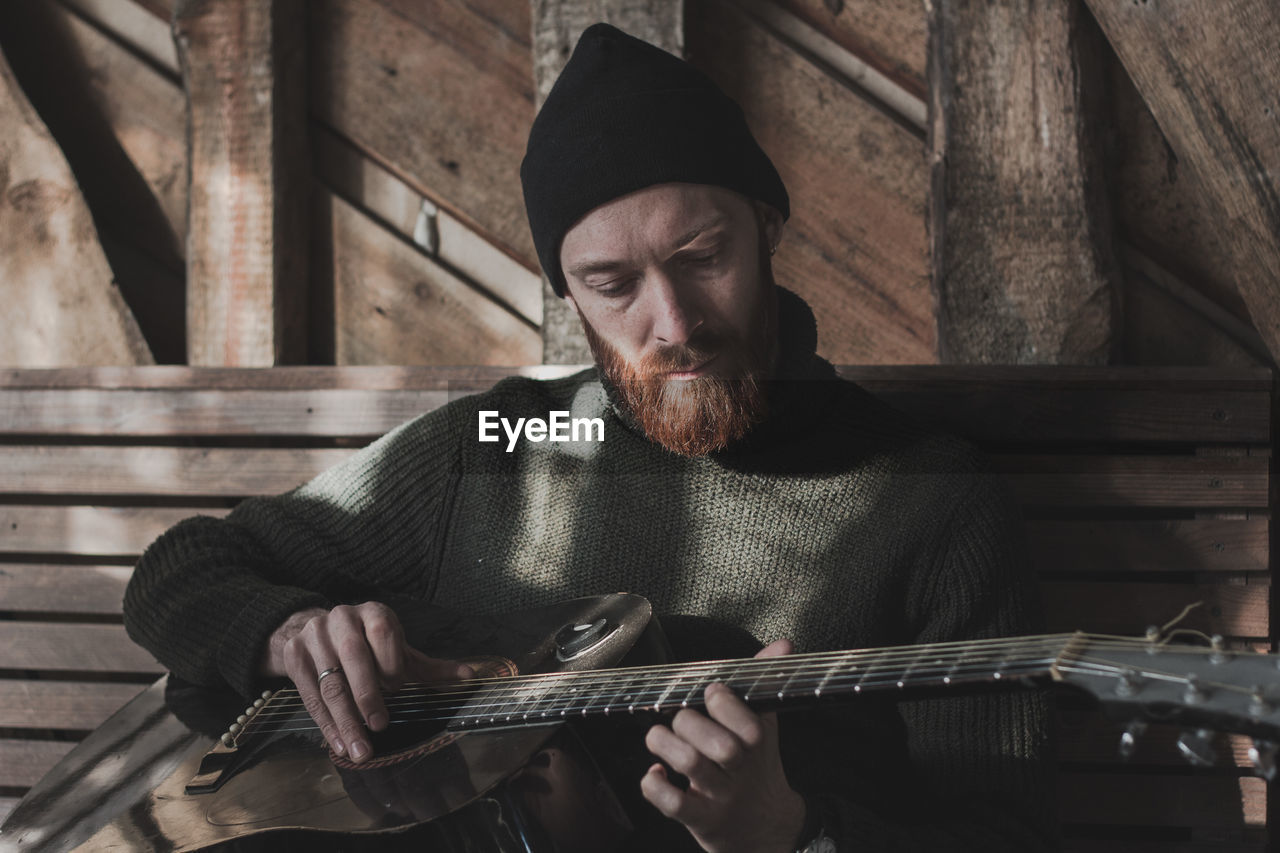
[(738, 796)]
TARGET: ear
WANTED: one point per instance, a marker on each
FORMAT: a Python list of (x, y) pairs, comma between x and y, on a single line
[(771, 223), (568, 297)]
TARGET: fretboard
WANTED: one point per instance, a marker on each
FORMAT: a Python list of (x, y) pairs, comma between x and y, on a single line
[(761, 682)]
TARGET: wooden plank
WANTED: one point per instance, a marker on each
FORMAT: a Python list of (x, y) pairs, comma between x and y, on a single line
[(90, 531), (7, 804), (985, 413), (1023, 263), (875, 378), (1039, 481), (71, 705), (62, 306), (402, 82), (1135, 481), (1221, 802), (393, 304), (23, 762), (418, 219), (855, 248), (178, 471), (1194, 545), (243, 70), (70, 647), (1200, 65), (130, 22), (39, 588), (889, 35), (1164, 845), (990, 412), (1105, 607)]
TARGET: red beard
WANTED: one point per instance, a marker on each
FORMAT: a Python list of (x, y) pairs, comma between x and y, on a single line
[(694, 417)]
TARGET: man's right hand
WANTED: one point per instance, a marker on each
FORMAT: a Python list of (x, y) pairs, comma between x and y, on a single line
[(364, 651)]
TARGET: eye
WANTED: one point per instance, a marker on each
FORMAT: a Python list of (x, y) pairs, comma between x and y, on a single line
[(616, 287), (702, 260)]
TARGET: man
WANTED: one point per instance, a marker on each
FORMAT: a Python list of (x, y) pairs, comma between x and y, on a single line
[(738, 478)]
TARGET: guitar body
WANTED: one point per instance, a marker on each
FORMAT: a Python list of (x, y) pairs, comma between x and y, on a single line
[(533, 788)]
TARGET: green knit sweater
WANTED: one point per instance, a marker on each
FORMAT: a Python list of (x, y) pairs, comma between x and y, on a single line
[(839, 523)]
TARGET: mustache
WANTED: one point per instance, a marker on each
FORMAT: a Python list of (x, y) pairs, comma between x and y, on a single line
[(679, 357)]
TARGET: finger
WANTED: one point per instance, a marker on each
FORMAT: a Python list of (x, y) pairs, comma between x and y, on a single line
[(431, 670), (686, 758), (359, 669), (714, 740), (299, 668), (385, 638), (776, 649), (724, 708), (667, 798)]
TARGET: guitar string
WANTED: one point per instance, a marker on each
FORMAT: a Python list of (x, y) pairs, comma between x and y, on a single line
[(793, 691), (1087, 667), (732, 669), (587, 680)]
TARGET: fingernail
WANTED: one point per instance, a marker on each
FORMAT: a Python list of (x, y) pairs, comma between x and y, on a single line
[(359, 750), (378, 721), (339, 748)]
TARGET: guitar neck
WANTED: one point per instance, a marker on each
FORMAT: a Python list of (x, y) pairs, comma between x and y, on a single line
[(761, 682)]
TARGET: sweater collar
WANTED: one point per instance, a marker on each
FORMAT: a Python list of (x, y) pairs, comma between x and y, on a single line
[(798, 391)]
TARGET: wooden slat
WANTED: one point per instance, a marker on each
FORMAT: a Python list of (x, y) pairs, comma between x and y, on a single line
[(36, 588), (992, 412), (928, 379), (73, 705), (889, 35), (58, 646), (403, 85), (1138, 799), (1164, 845), (87, 530), (1128, 608), (986, 413), (856, 248), (23, 762), (1039, 481), (7, 805), (229, 472), (1135, 481), (1199, 545)]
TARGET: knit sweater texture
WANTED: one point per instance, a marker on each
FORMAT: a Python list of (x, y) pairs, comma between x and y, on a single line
[(839, 523)]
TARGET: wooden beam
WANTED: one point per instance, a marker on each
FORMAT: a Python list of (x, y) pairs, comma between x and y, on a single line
[(1022, 261), (62, 306), (244, 72), (556, 27), (1209, 71)]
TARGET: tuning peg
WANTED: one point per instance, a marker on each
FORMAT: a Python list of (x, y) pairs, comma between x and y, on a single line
[(1129, 739), (1218, 650), (1194, 694), (1128, 683), (1263, 756), (1196, 748)]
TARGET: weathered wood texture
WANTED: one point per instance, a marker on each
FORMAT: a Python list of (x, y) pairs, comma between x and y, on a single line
[(244, 70), (854, 247), (1020, 230), (61, 305), (557, 24), (1208, 71)]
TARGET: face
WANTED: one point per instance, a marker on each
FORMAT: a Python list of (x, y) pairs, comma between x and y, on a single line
[(674, 289)]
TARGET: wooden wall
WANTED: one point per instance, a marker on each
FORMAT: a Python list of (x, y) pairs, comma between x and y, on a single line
[(419, 110)]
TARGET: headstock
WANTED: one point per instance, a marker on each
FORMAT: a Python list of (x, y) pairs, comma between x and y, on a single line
[(1204, 689)]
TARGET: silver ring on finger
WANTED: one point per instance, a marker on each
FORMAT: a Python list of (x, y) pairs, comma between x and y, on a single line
[(333, 670)]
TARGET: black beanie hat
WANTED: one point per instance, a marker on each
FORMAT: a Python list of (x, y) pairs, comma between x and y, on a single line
[(625, 115)]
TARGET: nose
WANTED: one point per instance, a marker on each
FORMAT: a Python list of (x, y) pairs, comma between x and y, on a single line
[(674, 309)]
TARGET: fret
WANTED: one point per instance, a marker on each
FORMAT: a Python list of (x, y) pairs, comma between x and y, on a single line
[(904, 678), (672, 684), (594, 702), (697, 686), (869, 672), (830, 673)]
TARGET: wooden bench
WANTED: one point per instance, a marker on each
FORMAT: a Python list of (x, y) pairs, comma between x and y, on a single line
[(1144, 490)]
